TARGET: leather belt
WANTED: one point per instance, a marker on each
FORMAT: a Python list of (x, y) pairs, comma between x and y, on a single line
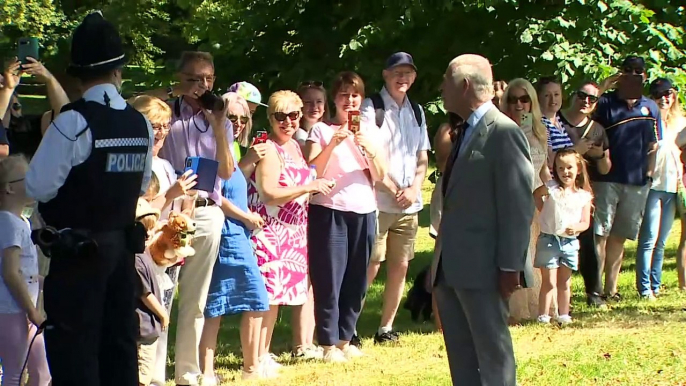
[(203, 202)]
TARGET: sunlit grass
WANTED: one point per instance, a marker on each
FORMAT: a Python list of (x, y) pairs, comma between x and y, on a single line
[(632, 343)]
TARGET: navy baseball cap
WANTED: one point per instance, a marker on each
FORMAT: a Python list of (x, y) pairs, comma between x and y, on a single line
[(634, 61), (399, 59), (660, 86)]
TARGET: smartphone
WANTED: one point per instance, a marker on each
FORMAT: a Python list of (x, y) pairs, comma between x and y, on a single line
[(27, 47), (354, 121), (631, 86), (260, 137), (527, 120), (206, 169)]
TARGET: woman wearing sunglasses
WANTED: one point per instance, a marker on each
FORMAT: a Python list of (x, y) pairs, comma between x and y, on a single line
[(590, 140), (240, 117), (315, 109), (279, 190), (343, 222), (661, 204), (520, 102)]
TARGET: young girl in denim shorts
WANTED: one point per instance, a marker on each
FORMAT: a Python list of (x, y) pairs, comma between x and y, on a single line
[(565, 206)]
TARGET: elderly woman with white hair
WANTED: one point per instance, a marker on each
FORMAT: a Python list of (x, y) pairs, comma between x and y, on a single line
[(237, 286)]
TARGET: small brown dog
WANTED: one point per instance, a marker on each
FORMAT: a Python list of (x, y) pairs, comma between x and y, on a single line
[(172, 244)]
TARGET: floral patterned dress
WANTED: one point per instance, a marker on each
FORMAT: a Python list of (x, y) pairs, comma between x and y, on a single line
[(281, 245)]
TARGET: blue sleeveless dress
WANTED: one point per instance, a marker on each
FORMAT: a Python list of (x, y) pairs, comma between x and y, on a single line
[(237, 285)]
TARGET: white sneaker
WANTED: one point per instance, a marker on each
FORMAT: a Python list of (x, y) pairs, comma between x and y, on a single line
[(544, 319), (334, 355), (352, 352), (308, 352), (269, 360), (564, 319)]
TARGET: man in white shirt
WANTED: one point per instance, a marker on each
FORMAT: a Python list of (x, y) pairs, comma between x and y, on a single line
[(403, 128)]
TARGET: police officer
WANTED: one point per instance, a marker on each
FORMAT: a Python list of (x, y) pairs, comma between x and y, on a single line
[(87, 174)]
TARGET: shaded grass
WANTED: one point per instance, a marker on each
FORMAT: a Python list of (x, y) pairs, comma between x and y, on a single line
[(631, 343)]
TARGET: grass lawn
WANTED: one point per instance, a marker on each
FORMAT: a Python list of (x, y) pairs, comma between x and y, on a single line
[(632, 343)]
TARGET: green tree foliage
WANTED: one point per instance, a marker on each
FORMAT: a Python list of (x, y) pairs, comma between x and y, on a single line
[(278, 43)]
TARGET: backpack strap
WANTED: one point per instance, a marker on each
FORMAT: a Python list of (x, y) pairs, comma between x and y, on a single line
[(379, 108), (417, 113)]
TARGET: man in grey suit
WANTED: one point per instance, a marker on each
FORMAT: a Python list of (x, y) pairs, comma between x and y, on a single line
[(481, 248)]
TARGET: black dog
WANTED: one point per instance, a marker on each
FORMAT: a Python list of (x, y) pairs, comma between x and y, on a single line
[(418, 299)]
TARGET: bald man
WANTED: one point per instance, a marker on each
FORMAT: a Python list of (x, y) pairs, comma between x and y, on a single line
[(481, 248)]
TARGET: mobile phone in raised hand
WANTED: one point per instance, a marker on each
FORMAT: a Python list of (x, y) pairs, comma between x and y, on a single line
[(354, 121), (527, 120), (260, 137), (27, 47)]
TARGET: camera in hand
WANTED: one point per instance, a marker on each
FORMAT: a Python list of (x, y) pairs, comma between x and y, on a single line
[(65, 243), (211, 102)]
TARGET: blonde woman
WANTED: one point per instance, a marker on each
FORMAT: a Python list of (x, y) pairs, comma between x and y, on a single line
[(240, 117), (520, 99), (279, 190)]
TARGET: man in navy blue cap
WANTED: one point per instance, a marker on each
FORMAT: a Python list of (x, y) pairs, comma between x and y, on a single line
[(87, 174), (403, 128), (633, 126)]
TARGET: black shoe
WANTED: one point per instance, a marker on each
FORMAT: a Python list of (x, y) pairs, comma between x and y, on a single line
[(595, 300), (386, 337), (355, 341)]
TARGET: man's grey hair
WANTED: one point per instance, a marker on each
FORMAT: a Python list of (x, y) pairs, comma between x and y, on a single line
[(477, 71)]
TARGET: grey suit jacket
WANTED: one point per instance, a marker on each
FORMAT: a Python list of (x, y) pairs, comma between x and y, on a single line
[(488, 207)]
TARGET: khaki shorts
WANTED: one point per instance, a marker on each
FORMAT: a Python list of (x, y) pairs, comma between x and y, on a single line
[(395, 237), (147, 354), (619, 209)]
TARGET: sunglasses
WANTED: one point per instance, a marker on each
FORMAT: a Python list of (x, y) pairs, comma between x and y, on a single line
[(311, 83), (659, 95), (16, 106), (280, 116), (524, 99), (583, 96), (634, 70), (235, 118)]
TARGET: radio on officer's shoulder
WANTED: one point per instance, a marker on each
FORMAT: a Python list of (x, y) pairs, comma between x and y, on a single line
[(206, 169)]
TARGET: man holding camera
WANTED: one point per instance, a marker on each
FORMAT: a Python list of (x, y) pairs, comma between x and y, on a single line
[(633, 126), (198, 129), (87, 174)]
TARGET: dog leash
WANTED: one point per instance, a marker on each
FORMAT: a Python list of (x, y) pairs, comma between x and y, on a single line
[(28, 354)]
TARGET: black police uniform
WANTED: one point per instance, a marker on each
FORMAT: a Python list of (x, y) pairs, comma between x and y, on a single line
[(91, 328)]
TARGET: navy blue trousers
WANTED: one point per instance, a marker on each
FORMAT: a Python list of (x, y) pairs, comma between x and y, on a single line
[(340, 244)]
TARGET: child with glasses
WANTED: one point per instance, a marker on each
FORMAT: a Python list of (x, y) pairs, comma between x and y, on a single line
[(19, 283)]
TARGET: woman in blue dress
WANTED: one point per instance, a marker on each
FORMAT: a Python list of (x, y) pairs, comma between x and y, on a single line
[(237, 285)]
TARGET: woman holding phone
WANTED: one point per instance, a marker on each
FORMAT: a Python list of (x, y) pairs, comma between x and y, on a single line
[(342, 224), (520, 102)]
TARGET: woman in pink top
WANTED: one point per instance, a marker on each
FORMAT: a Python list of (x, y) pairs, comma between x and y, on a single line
[(342, 223)]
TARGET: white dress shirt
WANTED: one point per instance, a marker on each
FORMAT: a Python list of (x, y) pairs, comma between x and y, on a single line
[(59, 151), (402, 139)]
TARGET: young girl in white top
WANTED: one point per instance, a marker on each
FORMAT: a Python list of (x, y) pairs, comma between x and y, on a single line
[(565, 205), (19, 282)]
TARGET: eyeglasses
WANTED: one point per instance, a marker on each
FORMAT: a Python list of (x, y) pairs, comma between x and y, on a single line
[(161, 126), (634, 70), (200, 78), (235, 118), (281, 116), (524, 99), (16, 106), (583, 96), (311, 83), (663, 94)]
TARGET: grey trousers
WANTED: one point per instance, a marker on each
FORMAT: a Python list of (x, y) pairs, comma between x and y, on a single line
[(477, 337)]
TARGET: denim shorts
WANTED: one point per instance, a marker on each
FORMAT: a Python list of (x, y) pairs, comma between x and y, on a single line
[(553, 251)]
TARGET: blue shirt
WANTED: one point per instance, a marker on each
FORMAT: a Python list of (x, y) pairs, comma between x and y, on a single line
[(557, 136), (630, 132), (474, 120)]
